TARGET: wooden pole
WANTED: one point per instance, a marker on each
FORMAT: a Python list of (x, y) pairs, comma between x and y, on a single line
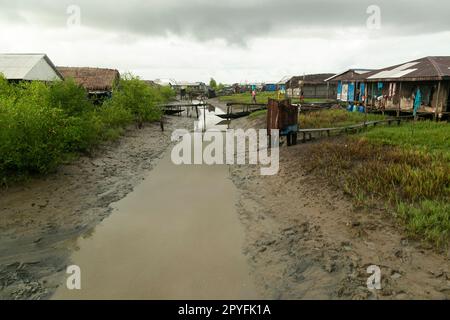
[(437, 101)]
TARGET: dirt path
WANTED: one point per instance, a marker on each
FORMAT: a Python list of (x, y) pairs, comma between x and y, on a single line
[(305, 240), (41, 220)]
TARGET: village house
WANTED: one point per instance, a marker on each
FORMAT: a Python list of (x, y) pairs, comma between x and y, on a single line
[(28, 67), (270, 87), (421, 85), (350, 85), (199, 87), (312, 86), (98, 82)]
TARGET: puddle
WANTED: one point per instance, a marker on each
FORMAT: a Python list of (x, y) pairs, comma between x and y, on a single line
[(176, 236)]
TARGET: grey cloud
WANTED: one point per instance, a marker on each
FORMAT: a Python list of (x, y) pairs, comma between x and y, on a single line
[(237, 21)]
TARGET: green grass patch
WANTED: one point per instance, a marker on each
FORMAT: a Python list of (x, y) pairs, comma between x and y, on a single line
[(263, 97), (333, 118), (257, 114), (425, 135), (386, 164)]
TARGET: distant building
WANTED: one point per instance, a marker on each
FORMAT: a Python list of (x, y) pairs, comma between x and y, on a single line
[(423, 83), (98, 82), (270, 87), (350, 85), (165, 82), (28, 67), (200, 87), (312, 86)]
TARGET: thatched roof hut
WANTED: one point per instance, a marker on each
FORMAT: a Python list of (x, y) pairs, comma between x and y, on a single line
[(94, 80)]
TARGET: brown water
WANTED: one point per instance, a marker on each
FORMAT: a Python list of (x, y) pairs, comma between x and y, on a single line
[(176, 236)]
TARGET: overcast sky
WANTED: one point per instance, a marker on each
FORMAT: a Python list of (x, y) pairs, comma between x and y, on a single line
[(232, 41)]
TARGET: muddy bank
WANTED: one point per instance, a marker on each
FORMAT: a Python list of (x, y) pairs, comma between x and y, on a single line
[(306, 240), (41, 220)]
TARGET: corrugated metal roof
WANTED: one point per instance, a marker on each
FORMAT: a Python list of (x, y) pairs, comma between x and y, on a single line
[(350, 75), (428, 68), (318, 78), (23, 67)]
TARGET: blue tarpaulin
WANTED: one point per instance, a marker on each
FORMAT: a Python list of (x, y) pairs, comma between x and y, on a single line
[(417, 101), (351, 91), (362, 91)]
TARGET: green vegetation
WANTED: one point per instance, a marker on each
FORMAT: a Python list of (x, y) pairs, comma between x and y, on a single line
[(262, 97), (257, 114), (407, 166), (213, 83), (334, 118), (425, 135), (43, 125), (139, 98)]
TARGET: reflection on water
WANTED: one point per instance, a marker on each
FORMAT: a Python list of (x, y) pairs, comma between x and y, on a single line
[(209, 117)]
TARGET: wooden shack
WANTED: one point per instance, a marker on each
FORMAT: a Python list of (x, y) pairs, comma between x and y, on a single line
[(98, 82), (283, 116), (421, 86)]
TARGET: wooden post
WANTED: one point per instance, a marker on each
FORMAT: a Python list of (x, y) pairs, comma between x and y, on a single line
[(204, 117), (399, 100), (162, 123), (437, 101)]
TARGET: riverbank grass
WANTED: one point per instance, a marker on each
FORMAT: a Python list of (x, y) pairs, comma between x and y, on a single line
[(408, 167)]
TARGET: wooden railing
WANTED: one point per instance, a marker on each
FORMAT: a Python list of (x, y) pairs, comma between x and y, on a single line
[(350, 129)]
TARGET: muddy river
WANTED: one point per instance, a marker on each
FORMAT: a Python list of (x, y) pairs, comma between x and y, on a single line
[(176, 236)]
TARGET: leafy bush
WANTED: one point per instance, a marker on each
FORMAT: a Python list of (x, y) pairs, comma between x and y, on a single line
[(139, 98), (42, 125), (70, 97)]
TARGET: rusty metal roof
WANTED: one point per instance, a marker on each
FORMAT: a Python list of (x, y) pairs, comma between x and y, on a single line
[(424, 69), (318, 78), (350, 75)]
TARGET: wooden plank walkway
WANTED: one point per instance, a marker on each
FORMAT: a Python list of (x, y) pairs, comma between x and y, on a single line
[(348, 129)]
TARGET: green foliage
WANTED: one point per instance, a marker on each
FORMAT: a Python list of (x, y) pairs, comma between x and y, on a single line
[(167, 93), (213, 83), (43, 125), (70, 97), (139, 98)]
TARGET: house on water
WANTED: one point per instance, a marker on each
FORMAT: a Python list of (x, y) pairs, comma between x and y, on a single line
[(312, 86), (28, 67), (419, 86), (350, 85), (98, 82)]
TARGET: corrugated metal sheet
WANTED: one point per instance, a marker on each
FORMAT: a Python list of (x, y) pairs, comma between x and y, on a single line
[(312, 79), (351, 75), (28, 67), (424, 69)]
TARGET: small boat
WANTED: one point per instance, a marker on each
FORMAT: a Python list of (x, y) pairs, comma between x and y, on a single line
[(171, 112), (237, 115)]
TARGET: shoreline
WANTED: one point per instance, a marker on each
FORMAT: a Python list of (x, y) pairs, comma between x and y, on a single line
[(42, 219)]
